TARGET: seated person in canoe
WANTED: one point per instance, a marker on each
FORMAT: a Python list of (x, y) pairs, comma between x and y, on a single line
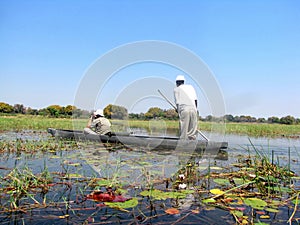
[(98, 124)]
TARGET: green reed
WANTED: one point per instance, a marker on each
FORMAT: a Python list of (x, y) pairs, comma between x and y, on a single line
[(26, 122), (21, 184)]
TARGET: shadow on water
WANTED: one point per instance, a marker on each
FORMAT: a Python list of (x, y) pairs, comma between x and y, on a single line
[(48, 181)]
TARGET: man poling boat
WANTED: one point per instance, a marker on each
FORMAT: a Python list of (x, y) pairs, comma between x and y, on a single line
[(186, 107)]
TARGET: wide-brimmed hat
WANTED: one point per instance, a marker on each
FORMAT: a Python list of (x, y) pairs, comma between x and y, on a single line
[(99, 112), (180, 77)]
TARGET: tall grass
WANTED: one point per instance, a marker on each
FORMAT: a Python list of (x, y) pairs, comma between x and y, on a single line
[(263, 129), (25, 122), (22, 122)]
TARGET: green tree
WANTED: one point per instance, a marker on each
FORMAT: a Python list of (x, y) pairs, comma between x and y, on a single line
[(69, 109), (154, 112), (171, 114), (54, 110), (261, 120), (229, 118), (134, 116), (288, 120), (6, 108), (31, 111), (273, 119), (19, 108), (115, 112), (209, 118)]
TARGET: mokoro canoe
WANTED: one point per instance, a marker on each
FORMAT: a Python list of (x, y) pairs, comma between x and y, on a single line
[(150, 142)]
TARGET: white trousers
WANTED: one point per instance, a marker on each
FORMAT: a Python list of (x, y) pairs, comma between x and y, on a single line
[(188, 120)]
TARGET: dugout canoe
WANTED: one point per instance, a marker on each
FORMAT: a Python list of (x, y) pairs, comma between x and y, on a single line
[(149, 142)]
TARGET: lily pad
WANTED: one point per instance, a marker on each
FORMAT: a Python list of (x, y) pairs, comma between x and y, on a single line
[(217, 191), (261, 223), (237, 213), (73, 175), (172, 211), (104, 182), (296, 201), (255, 203), (272, 210), (280, 189), (222, 181), (209, 200), (123, 205), (160, 195), (239, 181)]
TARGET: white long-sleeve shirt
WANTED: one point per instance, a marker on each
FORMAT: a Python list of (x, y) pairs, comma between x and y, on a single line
[(185, 95)]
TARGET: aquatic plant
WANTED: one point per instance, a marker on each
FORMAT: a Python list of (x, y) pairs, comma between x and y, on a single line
[(257, 188), (21, 185), (33, 146), (258, 184)]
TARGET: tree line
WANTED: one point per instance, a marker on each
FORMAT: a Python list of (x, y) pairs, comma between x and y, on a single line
[(119, 112)]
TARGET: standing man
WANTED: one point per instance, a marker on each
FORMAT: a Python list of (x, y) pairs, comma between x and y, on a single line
[(186, 103)]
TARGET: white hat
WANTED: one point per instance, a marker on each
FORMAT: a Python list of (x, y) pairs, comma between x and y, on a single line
[(99, 112), (180, 77)]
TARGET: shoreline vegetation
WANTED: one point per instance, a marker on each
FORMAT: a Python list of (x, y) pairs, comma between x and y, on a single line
[(28, 122)]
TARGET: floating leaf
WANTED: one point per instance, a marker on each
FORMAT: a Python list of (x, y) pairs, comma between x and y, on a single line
[(222, 181), (265, 217), (187, 191), (209, 200), (104, 182), (160, 195), (255, 203), (215, 168), (101, 197), (217, 191), (280, 189), (106, 197), (172, 211), (72, 175), (244, 221), (272, 210), (156, 194), (123, 205), (237, 213), (239, 181), (261, 223)]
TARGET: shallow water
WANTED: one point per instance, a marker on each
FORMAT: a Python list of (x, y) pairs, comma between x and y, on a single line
[(136, 169), (285, 151)]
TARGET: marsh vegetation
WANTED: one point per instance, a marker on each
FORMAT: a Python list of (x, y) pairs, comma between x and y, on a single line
[(26, 122), (52, 181)]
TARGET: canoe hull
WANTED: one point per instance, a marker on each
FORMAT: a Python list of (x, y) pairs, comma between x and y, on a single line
[(150, 142)]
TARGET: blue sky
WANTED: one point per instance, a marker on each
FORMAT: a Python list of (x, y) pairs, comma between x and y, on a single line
[(251, 47)]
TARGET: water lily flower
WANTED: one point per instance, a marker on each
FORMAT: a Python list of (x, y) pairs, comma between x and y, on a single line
[(181, 176), (182, 186)]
